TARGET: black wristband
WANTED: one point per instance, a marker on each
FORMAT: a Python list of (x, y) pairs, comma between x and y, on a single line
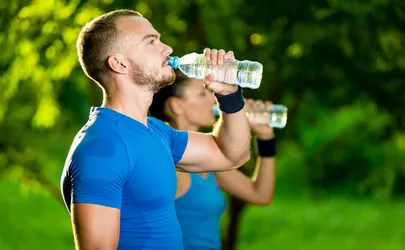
[(266, 148), (231, 103)]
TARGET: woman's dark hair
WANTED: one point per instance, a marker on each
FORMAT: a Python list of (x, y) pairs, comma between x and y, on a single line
[(157, 108)]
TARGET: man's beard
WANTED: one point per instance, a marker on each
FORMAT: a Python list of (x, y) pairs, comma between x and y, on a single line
[(141, 78)]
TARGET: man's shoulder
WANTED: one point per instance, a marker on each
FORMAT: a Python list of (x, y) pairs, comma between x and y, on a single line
[(158, 125), (154, 122), (93, 141)]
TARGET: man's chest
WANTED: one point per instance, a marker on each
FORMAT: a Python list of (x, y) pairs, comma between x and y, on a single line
[(153, 178)]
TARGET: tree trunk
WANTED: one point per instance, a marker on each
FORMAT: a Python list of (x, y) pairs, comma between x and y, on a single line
[(229, 241)]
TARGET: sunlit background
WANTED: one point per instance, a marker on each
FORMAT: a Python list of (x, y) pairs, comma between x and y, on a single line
[(338, 66)]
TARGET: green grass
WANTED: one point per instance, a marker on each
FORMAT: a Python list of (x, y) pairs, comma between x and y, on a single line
[(34, 220), (334, 224)]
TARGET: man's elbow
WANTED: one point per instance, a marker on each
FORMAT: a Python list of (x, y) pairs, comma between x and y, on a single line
[(243, 159), (233, 167), (239, 163), (265, 201)]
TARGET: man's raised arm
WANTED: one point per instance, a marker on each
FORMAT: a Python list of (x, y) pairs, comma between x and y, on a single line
[(228, 147)]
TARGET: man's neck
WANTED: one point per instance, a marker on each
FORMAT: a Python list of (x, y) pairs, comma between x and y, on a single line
[(133, 102)]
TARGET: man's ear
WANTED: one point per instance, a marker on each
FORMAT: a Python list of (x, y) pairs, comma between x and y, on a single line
[(117, 64)]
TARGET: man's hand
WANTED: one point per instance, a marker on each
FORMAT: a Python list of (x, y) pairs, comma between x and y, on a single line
[(258, 112), (218, 57)]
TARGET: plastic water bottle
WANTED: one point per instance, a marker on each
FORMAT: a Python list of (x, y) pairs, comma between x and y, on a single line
[(246, 74), (275, 117)]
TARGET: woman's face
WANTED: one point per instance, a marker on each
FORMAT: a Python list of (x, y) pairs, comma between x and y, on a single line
[(198, 104)]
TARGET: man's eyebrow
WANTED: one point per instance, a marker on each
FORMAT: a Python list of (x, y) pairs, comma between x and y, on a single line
[(157, 36)]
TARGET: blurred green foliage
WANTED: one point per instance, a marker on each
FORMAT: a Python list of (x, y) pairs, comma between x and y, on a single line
[(337, 65)]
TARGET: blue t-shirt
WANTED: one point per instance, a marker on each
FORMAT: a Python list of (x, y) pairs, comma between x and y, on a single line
[(199, 211), (118, 162)]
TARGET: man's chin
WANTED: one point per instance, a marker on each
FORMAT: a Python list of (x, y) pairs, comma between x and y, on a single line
[(172, 77), (163, 83)]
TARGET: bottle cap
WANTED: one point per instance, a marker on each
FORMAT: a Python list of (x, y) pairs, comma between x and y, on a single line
[(215, 110), (173, 62)]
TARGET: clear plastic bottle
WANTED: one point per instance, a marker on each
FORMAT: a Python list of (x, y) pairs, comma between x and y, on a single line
[(246, 74), (275, 117)]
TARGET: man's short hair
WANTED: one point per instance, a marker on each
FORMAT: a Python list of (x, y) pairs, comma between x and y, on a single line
[(96, 39)]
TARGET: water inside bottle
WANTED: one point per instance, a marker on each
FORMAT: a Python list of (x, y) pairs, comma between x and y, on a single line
[(227, 72), (277, 116)]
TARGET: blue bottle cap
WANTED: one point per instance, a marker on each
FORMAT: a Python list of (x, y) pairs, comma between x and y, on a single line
[(215, 110), (173, 62)]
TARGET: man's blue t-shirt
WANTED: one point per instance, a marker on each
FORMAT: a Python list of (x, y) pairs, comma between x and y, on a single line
[(118, 162)]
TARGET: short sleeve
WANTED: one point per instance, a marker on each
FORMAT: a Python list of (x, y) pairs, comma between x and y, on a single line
[(178, 144), (177, 138), (98, 170)]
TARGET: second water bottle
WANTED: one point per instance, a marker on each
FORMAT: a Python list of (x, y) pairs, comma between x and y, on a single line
[(275, 117)]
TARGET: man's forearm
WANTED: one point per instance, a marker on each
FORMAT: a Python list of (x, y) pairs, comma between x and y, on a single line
[(232, 135)]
